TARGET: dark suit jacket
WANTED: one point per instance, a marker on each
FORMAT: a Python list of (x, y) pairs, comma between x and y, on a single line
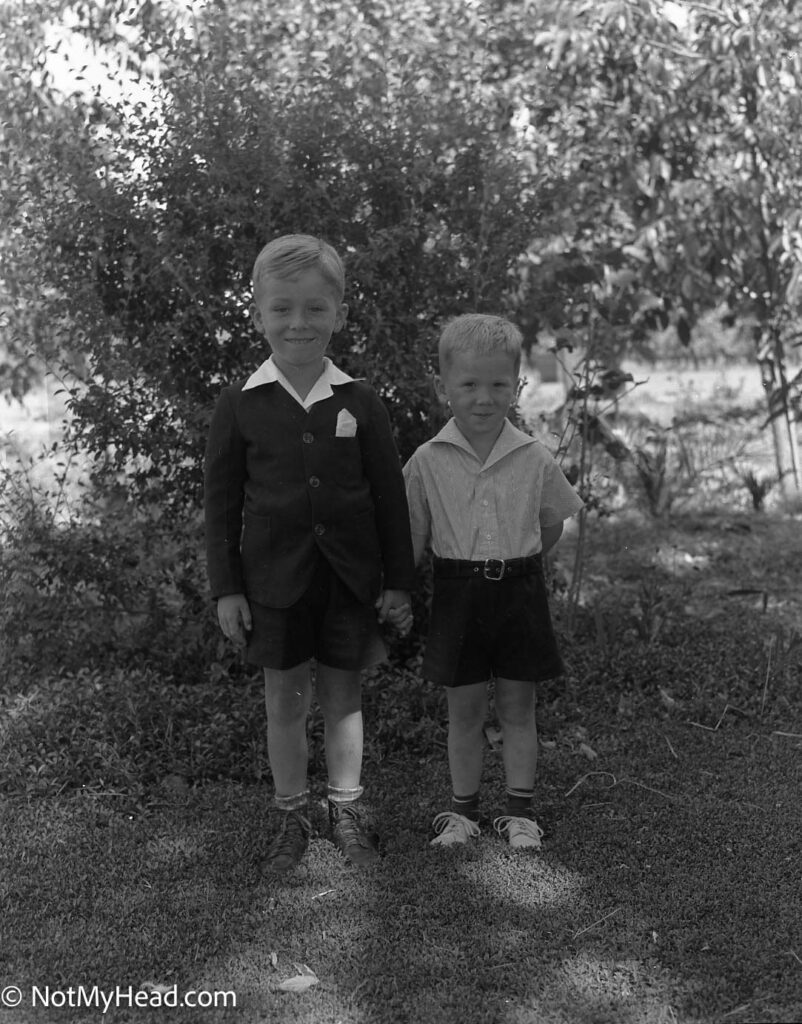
[(280, 486)]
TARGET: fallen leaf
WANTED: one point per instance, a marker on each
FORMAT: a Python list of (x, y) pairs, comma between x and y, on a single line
[(305, 979), (667, 699), (588, 751), (152, 986), (274, 959)]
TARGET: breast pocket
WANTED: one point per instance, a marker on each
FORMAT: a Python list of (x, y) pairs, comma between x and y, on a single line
[(346, 463)]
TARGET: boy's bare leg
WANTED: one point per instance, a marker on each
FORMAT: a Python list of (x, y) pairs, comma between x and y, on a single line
[(288, 694), (339, 693), (467, 709), (515, 708)]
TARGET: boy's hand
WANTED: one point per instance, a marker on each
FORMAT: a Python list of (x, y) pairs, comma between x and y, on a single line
[(394, 607), (234, 616)]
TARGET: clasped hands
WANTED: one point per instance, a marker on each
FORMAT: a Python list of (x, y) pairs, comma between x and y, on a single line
[(234, 614), (393, 606)]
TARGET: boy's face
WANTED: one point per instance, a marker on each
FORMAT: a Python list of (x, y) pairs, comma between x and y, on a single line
[(480, 388), (297, 316)]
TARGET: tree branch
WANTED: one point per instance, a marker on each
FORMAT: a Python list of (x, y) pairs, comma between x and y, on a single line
[(707, 9), (674, 50)]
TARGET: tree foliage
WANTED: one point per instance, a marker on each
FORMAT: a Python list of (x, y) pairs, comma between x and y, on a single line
[(590, 169)]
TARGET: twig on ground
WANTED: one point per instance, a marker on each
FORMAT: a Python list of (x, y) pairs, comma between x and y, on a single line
[(768, 671), (619, 782), (659, 792), (738, 1009), (790, 952), (668, 741), (587, 775), (791, 735), (714, 728), (601, 919)]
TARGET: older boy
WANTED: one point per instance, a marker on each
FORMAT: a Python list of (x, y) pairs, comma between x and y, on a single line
[(307, 529), (491, 501)]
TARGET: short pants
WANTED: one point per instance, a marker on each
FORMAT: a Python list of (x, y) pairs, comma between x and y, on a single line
[(327, 623), (481, 629)]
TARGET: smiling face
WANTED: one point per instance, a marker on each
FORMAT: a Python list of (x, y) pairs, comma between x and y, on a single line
[(298, 316), (480, 388)]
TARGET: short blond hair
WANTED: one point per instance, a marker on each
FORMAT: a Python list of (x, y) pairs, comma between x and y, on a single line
[(481, 333), (289, 255)]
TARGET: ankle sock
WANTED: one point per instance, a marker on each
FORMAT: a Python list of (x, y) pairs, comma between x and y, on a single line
[(467, 806), (519, 803), (296, 802), (340, 797)]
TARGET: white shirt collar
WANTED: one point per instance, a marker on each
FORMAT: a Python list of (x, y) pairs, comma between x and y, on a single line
[(507, 441), (269, 373)]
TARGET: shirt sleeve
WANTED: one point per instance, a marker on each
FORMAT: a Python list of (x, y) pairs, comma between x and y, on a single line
[(559, 500), (420, 517)]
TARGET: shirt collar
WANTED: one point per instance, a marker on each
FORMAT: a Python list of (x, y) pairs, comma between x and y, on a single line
[(507, 441), (269, 373)]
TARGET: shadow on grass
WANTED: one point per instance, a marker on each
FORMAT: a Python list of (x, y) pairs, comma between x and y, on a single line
[(639, 909)]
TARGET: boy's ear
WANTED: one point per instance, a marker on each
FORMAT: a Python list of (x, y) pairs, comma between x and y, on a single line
[(439, 387), (256, 317), (342, 316)]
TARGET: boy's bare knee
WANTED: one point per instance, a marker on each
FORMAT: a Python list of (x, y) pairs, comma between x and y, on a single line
[(287, 694), (515, 703), (467, 707)]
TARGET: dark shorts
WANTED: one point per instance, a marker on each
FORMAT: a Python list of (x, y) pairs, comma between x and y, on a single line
[(483, 629), (327, 623)]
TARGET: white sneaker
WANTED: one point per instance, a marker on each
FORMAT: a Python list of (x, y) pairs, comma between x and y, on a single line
[(453, 829), (523, 833)]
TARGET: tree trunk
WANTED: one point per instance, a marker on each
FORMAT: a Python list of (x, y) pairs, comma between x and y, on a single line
[(771, 359)]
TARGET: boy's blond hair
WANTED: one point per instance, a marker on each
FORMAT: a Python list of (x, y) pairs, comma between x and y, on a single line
[(480, 333), (289, 255)]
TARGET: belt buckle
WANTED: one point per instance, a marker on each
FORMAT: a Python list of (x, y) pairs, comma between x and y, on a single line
[(490, 572)]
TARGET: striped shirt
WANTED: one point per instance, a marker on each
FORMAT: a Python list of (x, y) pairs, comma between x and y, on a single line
[(494, 509)]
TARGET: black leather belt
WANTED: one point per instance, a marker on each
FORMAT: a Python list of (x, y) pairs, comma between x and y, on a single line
[(495, 569)]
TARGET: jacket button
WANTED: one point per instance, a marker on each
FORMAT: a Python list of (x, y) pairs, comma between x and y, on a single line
[(314, 481), (307, 437), (320, 529)]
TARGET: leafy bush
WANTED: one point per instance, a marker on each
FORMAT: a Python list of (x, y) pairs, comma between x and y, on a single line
[(123, 730), (88, 579)]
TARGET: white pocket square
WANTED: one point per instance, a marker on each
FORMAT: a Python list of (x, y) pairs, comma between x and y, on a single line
[(346, 424)]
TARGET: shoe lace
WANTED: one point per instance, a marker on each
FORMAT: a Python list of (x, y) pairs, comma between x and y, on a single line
[(293, 826), (515, 826), (453, 822), (349, 830)]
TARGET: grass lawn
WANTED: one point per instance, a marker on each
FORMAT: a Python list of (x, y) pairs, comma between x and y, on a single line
[(676, 902), (668, 888)]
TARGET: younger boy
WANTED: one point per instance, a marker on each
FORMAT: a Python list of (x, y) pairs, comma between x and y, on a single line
[(491, 501), (307, 530)]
